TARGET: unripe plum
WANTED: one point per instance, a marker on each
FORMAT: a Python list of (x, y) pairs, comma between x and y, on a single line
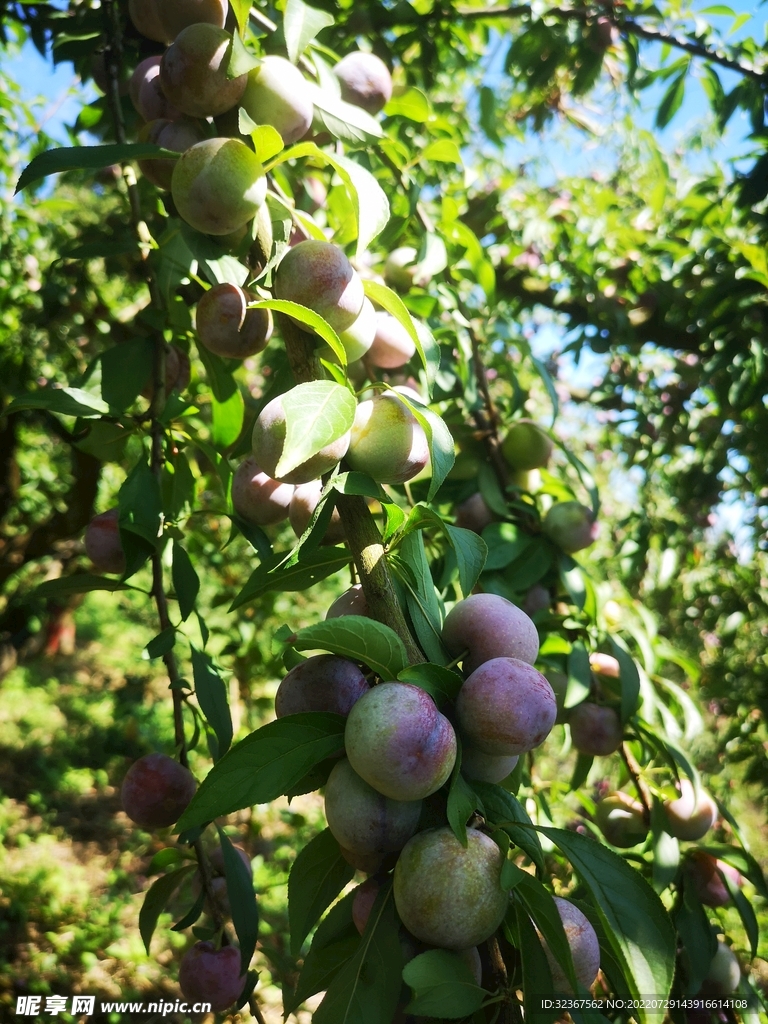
[(471, 958), (218, 185), (305, 500), (686, 819), (528, 480), (177, 136), (526, 446), (319, 276), (269, 439), (387, 442), (622, 820), (324, 682), (604, 665), (227, 327), (595, 730), (448, 895), (571, 526), (401, 268), (361, 819), (211, 975), (392, 346), (176, 15), (156, 791), (705, 873), (398, 741), (489, 626), (724, 972), (365, 81), (506, 707), (358, 338), (193, 72), (486, 767), (257, 497), (474, 514), (102, 542), (362, 902), (351, 602), (146, 20), (585, 948), (278, 94), (146, 94)]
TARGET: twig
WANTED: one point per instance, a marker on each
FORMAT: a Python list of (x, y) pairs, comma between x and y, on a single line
[(635, 773), (488, 421)]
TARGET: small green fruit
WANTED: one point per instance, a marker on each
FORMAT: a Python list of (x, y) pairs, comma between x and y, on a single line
[(218, 185), (526, 446)]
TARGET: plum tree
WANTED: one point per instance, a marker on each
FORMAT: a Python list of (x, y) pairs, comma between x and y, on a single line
[(386, 441), (211, 975), (622, 820), (176, 15), (595, 730), (526, 446), (392, 345), (505, 707), (473, 513), (268, 440), (351, 602), (724, 972), (218, 185), (365, 81), (362, 902), (688, 818), (156, 790), (226, 326), (324, 682), (705, 873), (399, 742), (585, 949), (571, 526), (177, 136), (305, 500), (102, 542), (489, 626), (318, 275), (401, 269), (257, 497), (146, 94), (486, 767), (193, 72), (277, 94), (361, 819), (449, 895)]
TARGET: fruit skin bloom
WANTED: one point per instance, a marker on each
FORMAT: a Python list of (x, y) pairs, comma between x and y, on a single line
[(212, 976), (157, 790)]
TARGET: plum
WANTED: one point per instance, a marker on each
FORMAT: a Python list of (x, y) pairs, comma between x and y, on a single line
[(268, 440), (305, 500), (505, 707), (604, 665), (319, 276), (362, 902), (526, 446), (193, 72), (489, 626), (571, 526), (595, 730), (399, 743), (486, 767), (211, 975), (537, 599), (351, 602), (705, 873), (176, 15), (324, 682), (585, 949), (176, 136), (362, 819), (102, 542), (724, 972), (365, 81), (401, 268), (386, 441), (687, 819), (258, 498), (227, 327), (369, 863), (473, 514), (218, 185), (471, 957), (278, 94), (448, 895), (157, 790), (622, 820), (146, 20), (358, 338), (147, 96), (392, 345)]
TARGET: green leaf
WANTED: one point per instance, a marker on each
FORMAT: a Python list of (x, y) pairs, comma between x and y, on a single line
[(185, 580), (743, 861), (125, 369), (308, 317), (242, 900), (629, 678), (156, 900), (317, 876), (316, 414), (443, 986), (301, 23), (241, 60), (310, 569), (503, 810), (265, 765), (358, 638), (442, 151), (64, 401), (335, 942), (442, 684), (427, 348), (635, 921), (344, 120), (471, 552), (505, 543), (212, 697), (105, 441), (579, 676), (79, 583), (672, 99), (537, 976), (421, 597), (87, 158), (266, 140), (413, 104), (227, 419), (241, 9), (540, 905), (441, 448), (462, 801), (162, 643)]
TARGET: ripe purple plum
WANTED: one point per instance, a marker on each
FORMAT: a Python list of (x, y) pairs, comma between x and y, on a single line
[(686, 819), (278, 94), (448, 895), (705, 873), (102, 542), (193, 72), (365, 81), (176, 136), (319, 276), (489, 626), (324, 682), (176, 15), (486, 767), (305, 500), (227, 327), (571, 526), (157, 790), (145, 92), (585, 949), (362, 902), (526, 446), (595, 730), (268, 441), (351, 602), (387, 442), (622, 820), (473, 513), (363, 820), (258, 498), (399, 743), (506, 707), (218, 185), (368, 863), (392, 346), (211, 975)]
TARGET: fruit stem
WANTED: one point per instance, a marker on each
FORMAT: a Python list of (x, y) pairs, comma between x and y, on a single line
[(360, 527)]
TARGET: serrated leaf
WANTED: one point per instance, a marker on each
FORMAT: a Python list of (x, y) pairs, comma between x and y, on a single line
[(212, 697), (316, 414), (357, 638), (537, 976), (462, 802), (672, 99), (443, 986), (88, 158), (421, 597), (629, 678), (156, 900), (301, 23), (317, 876), (541, 907)]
